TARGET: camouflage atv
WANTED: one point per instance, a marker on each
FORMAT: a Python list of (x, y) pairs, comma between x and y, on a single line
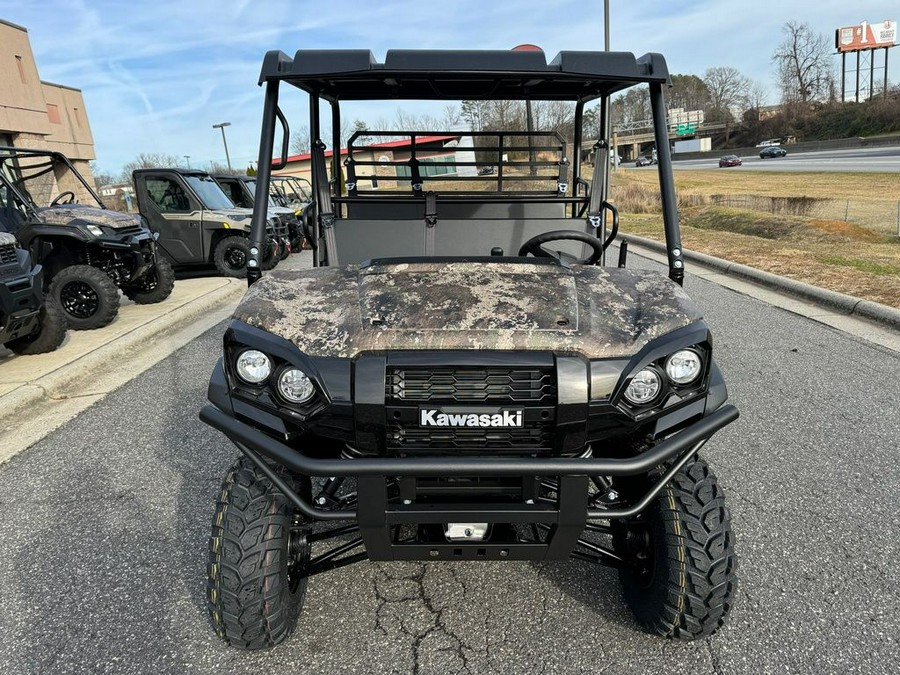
[(462, 376), (87, 251), (29, 322)]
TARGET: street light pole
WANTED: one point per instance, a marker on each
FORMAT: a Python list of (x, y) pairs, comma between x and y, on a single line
[(188, 158), (222, 126)]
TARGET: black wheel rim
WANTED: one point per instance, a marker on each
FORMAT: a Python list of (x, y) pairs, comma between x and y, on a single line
[(235, 258), (79, 299), (148, 282)]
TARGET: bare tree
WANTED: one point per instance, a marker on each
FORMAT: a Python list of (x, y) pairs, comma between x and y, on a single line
[(101, 178), (804, 63), (757, 95), (220, 169), (632, 106), (300, 141), (688, 92), (476, 113), (452, 116), (727, 91), (148, 160)]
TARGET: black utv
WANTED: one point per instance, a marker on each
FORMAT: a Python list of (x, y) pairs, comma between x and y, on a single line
[(29, 322), (198, 225), (462, 376), (87, 251)]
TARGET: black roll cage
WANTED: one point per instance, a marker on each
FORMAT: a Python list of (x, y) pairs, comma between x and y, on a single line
[(13, 153), (346, 75)]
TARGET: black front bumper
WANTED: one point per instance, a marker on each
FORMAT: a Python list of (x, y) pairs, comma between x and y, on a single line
[(280, 453), (20, 304), (379, 518), (139, 246)]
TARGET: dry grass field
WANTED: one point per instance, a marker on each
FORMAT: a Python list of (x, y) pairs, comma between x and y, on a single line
[(838, 231)]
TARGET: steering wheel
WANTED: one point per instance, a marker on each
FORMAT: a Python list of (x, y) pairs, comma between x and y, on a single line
[(59, 198), (535, 247)]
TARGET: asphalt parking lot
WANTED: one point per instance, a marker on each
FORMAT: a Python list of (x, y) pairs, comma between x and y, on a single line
[(105, 522)]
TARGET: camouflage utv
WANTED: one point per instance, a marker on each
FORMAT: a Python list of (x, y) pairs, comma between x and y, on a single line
[(461, 376), (87, 251)]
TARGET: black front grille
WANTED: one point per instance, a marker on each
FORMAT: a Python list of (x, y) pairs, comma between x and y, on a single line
[(130, 229), (534, 436), (474, 388), (534, 386), (280, 228), (8, 254)]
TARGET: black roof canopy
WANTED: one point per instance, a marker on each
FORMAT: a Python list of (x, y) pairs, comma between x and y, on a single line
[(354, 74)]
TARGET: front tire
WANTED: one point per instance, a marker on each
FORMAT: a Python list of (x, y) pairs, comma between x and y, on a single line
[(272, 257), (49, 335), (89, 298), (230, 256), (155, 286), (680, 578), (257, 556)]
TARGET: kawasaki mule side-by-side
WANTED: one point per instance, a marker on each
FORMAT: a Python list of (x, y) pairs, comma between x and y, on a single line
[(461, 376)]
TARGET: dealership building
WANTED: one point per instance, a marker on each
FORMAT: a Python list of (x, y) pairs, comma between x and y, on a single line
[(38, 114)]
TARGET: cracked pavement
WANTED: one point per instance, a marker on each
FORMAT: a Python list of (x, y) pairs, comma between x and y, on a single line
[(105, 522)]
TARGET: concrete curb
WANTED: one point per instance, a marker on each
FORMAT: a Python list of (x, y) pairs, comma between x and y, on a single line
[(846, 304), (75, 379)]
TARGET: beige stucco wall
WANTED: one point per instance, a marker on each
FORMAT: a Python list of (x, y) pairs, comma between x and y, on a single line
[(72, 135), (24, 101), (22, 106)]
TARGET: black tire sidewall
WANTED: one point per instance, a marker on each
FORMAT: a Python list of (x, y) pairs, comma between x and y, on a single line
[(240, 616), (219, 253), (165, 282), (49, 335), (106, 290), (692, 582)]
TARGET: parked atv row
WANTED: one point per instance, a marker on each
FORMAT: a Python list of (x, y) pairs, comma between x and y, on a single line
[(86, 252)]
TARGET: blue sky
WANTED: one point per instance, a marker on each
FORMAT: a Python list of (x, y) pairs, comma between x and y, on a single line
[(157, 75)]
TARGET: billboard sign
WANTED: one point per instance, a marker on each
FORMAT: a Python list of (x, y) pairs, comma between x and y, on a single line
[(866, 36)]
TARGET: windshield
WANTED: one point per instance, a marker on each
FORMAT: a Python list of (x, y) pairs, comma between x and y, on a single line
[(303, 188), (251, 185), (209, 192), (289, 189)]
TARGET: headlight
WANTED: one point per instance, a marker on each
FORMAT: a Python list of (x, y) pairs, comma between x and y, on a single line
[(295, 386), (253, 366), (94, 230), (684, 366), (643, 387)]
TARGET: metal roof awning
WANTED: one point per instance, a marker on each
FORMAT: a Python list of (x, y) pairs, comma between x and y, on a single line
[(354, 74)]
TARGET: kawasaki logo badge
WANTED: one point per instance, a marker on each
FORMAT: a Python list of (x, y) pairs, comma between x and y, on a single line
[(431, 417)]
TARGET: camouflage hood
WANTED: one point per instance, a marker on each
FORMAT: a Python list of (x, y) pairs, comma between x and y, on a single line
[(66, 213), (341, 312)]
